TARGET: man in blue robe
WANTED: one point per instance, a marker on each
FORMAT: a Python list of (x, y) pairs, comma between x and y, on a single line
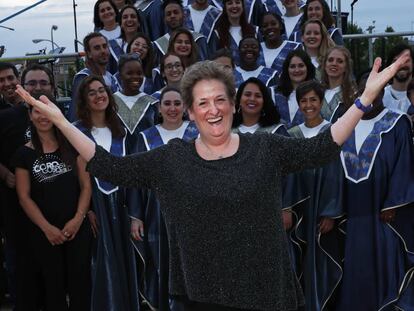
[(378, 162)]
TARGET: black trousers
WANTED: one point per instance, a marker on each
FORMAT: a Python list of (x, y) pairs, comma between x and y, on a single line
[(65, 269)]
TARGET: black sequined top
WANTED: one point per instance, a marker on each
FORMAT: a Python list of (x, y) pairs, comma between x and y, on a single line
[(223, 217)]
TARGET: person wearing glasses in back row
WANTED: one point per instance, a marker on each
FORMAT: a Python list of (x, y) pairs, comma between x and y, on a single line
[(15, 132)]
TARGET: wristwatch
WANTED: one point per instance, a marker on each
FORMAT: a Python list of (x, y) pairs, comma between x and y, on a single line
[(361, 107)]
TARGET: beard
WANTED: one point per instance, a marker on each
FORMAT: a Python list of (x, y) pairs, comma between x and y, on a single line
[(403, 75)]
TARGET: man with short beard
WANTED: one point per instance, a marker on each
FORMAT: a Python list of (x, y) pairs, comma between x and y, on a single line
[(97, 58), (395, 95)]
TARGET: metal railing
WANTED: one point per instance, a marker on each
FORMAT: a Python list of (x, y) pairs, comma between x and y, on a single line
[(15, 59), (371, 36)]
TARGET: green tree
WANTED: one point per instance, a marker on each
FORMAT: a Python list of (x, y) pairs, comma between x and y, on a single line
[(383, 45), (358, 49)]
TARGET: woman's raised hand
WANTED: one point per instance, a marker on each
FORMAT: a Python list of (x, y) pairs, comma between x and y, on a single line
[(44, 105), (378, 79)]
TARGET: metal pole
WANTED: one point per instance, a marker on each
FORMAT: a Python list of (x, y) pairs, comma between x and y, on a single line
[(38, 57), (21, 11), (75, 22), (339, 15)]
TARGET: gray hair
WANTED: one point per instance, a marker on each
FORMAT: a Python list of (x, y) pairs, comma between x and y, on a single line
[(206, 70)]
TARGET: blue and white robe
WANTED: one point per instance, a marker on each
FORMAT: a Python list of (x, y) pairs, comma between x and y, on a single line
[(208, 24), (154, 17), (318, 256), (268, 76), (154, 249), (114, 273), (379, 263), (117, 47), (214, 44), (142, 115), (282, 105), (279, 58), (296, 34), (254, 11)]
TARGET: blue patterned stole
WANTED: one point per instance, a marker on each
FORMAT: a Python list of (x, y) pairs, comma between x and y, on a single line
[(271, 6), (280, 58), (282, 105), (143, 6), (162, 43), (152, 137), (131, 117), (117, 148), (116, 49), (358, 166), (208, 24), (266, 75)]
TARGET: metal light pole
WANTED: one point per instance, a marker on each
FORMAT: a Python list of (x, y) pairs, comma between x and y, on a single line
[(54, 44), (76, 41), (53, 28), (339, 15), (352, 11)]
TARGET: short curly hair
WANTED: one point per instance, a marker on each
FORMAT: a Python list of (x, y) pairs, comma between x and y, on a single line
[(206, 70)]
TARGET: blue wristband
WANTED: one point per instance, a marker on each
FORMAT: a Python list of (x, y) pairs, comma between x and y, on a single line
[(361, 107)]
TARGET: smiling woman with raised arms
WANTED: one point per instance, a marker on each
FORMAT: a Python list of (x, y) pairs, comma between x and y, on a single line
[(209, 205)]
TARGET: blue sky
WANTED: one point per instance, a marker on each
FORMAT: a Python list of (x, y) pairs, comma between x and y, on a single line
[(37, 22)]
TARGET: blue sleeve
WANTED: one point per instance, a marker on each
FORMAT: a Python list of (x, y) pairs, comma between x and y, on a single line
[(401, 179), (203, 53)]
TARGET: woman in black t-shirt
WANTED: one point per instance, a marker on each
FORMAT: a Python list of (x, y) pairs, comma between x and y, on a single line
[(54, 191)]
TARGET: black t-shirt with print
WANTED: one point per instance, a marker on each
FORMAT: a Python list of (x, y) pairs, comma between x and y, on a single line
[(54, 184)]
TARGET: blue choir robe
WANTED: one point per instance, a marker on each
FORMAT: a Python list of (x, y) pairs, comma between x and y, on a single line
[(254, 11), (320, 255), (278, 59), (282, 105), (154, 17), (117, 47), (161, 45), (379, 257), (153, 251), (141, 116), (214, 44), (208, 24), (333, 109), (268, 76), (296, 35), (114, 274), (336, 35), (109, 79)]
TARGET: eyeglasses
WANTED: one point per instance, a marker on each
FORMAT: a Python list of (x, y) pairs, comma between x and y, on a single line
[(34, 83), (93, 93), (170, 67)]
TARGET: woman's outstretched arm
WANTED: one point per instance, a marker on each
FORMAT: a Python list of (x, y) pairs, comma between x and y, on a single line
[(79, 141), (342, 128)]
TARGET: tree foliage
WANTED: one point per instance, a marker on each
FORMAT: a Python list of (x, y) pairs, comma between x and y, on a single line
[(359, 48)]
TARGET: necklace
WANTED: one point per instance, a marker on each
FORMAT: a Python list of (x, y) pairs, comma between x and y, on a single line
[(215, 155)]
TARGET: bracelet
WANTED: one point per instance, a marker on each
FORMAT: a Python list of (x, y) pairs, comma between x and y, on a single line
[(361, 107)]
